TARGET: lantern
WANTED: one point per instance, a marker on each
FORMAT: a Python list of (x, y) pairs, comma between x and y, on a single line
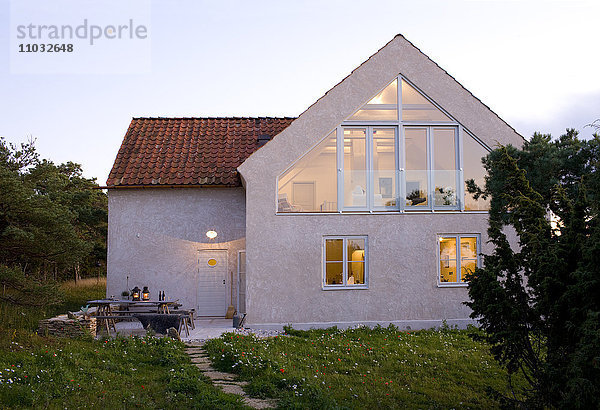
[(145, 293), (135, 293)]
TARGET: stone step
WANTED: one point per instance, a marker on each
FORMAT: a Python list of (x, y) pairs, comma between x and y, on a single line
[(195, 351), (260, 403), (220, 376), (225, 381), (233, 389), (228, 382)]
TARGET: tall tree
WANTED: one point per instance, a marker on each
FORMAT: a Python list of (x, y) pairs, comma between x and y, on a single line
[(52, 219), (539, 303)]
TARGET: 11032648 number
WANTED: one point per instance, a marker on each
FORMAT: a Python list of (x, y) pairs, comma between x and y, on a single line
[(45, 48)]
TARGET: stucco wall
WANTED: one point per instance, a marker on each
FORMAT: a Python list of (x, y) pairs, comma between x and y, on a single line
[(155, 235), (284, 272)]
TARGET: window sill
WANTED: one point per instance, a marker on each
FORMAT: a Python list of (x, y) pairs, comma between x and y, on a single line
[(333, 287), (390, 212), (452, 285)]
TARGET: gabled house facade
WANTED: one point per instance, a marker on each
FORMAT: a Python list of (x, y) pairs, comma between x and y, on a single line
[(354, 212)]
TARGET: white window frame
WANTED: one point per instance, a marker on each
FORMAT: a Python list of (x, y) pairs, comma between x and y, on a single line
[(370, 172), (400, 184), (457, 236), (400, 188), (430, 146), (344, 285)]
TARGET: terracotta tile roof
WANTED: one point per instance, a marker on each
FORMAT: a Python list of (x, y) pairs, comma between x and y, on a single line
[(189, 151)]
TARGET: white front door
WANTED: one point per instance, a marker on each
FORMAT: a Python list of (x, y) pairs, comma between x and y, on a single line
[(212, 288)]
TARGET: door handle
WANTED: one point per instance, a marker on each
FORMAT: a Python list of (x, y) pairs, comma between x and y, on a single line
[(223, 281)]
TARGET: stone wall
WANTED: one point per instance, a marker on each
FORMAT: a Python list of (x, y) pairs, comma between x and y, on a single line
[(63, 326)]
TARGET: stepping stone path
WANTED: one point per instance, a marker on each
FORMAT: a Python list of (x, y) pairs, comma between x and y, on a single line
[(226, 381)]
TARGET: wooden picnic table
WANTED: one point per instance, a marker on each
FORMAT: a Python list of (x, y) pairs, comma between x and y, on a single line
[(104, 305), (106, 315)]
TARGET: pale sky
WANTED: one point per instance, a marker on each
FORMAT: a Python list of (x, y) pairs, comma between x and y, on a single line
[(534, 63)]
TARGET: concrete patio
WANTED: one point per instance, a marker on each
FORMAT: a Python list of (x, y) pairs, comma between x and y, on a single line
[(208, 328)]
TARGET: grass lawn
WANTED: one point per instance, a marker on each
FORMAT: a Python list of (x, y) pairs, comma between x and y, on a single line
[(46, 372), (364, 368), (356, 368), (121, 373)]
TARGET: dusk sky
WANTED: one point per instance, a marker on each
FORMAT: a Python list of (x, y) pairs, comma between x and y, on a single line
[(534, 63)]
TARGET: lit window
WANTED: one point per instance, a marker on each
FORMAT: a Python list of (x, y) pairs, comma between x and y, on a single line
[(415, 107), (345, 262), (431, 167), (416, 167), (310, 185), (458, 258), (382, 107), (384, 167), (355, 167), (380, 161)]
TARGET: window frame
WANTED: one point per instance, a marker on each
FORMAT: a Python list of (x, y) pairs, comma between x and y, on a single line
[(458, 237), (370, 172), (430, 147), (399, 127), (343, 286)]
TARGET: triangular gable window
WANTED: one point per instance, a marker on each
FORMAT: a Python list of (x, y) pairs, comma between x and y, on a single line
[(382, 107), (310, 184), (415, 107)]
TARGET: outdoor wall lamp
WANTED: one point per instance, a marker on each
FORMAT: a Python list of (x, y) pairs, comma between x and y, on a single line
[(211, 234)]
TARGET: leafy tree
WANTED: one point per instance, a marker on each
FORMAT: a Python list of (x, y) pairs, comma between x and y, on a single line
[(52, 220), (539, 302)]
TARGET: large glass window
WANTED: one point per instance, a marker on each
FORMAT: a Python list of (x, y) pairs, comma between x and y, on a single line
[(310, 185), (416, 167), (355, 167), (444, 166), (377, 161), (458, 258), (384, 167), (345, 262), (415, 107), (473, 152), (431, 154), (382, 107)]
